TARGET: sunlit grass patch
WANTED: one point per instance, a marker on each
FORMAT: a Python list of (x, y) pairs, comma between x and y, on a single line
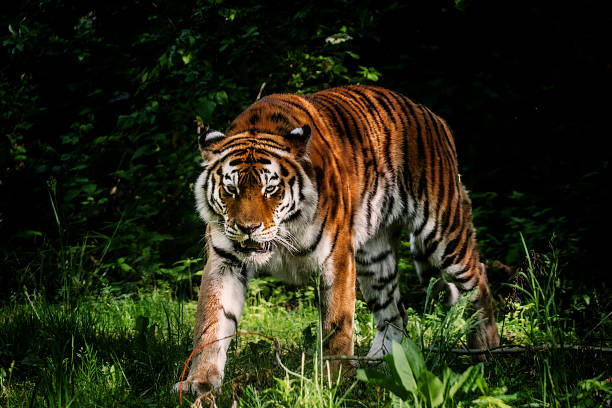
[(129, 349), (103, 352)]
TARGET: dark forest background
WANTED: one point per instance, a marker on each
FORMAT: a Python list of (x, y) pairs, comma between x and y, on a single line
[(100, 100)]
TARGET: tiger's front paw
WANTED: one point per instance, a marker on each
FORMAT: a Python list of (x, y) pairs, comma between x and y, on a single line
[(206, 379)]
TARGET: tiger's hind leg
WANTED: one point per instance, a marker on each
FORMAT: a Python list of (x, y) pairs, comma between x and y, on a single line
[(377, 277), (447, 244)]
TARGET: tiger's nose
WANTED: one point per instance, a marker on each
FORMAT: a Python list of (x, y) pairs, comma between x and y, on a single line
[(248, 228)]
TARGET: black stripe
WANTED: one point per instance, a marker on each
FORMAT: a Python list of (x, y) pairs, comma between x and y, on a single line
[(383, 100), (370, 199), (419, 137), (365, 274), (338, 120), (404, 117), (456, 218), (281, 119), (456, 279), (430, 235), (439, 132), (226, 255), (381, 283), (463, 250), (261, 142), (205, 188), (212, 171), (387, 204), (231, 316), (431, 249), (422, 185), (208, 326), (315, 243), (269, 141), (254, 118), (378, 258), (452, 246), (366, 103), (440, 193), (293, 216), (291, 182), (387, 147), (346, 116), (331, 250), (379, 306), (417, 231), (430, 150)]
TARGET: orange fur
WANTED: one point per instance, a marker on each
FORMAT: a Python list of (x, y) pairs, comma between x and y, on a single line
[(338, 172)]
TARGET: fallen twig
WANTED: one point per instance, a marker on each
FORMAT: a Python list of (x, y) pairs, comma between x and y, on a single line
[(510, 349)]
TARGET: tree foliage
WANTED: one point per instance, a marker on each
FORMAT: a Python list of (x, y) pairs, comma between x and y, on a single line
[(101, 100)]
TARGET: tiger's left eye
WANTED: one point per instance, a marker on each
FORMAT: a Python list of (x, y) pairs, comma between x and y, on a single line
[(271, 190)]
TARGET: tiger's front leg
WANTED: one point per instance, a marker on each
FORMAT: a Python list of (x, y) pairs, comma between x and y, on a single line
[(338, 304), (220, 303)]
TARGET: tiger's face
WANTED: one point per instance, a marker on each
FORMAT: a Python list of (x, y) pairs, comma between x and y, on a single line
[(250, 190)]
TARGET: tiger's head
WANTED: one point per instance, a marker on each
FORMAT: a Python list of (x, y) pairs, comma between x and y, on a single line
[(253, 186)]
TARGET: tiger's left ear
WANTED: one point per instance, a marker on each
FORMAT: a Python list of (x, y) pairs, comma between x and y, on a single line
[(298, 138), (206, 140)]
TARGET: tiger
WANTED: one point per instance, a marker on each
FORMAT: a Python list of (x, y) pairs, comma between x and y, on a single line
[(324, 184)]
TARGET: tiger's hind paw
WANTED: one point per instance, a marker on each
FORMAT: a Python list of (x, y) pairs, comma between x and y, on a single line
[(485, 337)]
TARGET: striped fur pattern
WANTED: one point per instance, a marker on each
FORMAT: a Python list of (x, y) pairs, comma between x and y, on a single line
[(324, 183)]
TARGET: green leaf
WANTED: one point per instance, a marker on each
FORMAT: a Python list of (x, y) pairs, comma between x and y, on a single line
[(29, 234), (448, 379), (402, 367), (414, 356), (467, 381), (382, 380), (142, 150), (488, 401), (205, 109), (432, 388), (221, 98), (186, 58)]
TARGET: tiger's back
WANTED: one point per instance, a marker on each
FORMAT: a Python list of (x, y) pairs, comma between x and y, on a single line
[(340, 173), (391, 153)]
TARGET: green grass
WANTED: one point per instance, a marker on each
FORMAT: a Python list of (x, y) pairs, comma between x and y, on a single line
[(128, 350)]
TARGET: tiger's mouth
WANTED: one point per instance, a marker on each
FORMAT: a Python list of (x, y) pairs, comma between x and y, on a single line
[(250, 246)]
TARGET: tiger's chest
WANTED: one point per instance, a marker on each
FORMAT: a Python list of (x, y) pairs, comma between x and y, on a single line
[(289, 268), (313, 243)]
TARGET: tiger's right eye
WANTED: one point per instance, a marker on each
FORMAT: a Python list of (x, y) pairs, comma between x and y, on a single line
[(231, 189)]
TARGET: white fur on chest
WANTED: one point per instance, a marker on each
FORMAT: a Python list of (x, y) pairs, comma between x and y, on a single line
[(289, 268), (297, 269)]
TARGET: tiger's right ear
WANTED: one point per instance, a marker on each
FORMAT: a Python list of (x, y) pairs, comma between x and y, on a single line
[(206, 140), (299, 138)]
